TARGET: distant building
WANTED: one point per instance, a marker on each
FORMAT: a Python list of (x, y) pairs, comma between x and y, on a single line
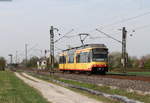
[(141, 63), (42, 64)]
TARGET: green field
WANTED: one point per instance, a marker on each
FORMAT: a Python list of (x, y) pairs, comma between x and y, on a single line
[(14, 90), (132, 73), (140, 73)]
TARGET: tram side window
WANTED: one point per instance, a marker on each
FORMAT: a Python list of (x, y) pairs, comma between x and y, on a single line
[(78, 58), (62, 59), (71, 59), (83, 57)]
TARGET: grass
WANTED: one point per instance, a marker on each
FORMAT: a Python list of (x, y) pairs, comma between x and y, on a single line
[(14, 90), (131, 70), (140, 73), (133, 73), (105, 89)]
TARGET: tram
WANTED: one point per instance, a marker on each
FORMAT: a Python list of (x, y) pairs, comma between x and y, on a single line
[(91, 58)]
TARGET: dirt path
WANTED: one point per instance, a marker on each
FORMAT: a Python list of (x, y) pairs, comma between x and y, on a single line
[(55, 93)]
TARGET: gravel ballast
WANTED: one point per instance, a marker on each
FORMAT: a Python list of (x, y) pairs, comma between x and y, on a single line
[(135, 85)]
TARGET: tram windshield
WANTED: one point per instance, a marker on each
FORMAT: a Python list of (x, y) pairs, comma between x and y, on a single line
[(99, 55)]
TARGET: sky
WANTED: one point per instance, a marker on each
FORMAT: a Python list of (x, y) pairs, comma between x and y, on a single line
[(28, 22)]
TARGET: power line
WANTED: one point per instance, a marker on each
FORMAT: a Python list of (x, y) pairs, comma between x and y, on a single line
[(32, 47), (127, 19), (64, 35), (58, 49), (142, 27), (96, 37), (108, 36), (72, 36)]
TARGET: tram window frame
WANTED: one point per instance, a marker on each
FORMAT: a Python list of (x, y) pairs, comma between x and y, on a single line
[(62, 59), (78, 58), (71, 59), (83, 57), (89, 56)]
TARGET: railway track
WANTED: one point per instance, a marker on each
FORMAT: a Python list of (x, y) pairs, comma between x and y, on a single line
[(114, 76), (132, 82), (135, 83), (127, 77), (108, 75)]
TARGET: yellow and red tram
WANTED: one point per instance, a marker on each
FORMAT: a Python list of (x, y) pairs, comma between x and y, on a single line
[(92, 58)]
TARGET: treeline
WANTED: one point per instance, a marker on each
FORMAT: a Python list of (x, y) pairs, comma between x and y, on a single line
[(32, 62), (114, 61), (133, 61)]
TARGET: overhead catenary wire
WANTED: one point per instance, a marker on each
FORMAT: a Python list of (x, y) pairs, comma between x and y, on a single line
[(96, 37), (109, 36), (57, 48), (33, 47), (127, 19), (71, 36), (142, 27), (64, 35)]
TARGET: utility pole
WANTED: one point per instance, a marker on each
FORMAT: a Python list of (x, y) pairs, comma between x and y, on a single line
[(11, 56), (51, 49), (123, 43), (26, 53), (51, 57), (124, 53), (16, 57)]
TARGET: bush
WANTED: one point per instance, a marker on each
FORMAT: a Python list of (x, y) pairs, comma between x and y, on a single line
[(114, 60), (147, 64), (32, 62)]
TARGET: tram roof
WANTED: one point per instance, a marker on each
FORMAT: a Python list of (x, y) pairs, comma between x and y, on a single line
[(88, 46)]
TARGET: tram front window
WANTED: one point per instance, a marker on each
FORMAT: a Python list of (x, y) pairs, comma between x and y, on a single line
[(99, 54), (99, 57)]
